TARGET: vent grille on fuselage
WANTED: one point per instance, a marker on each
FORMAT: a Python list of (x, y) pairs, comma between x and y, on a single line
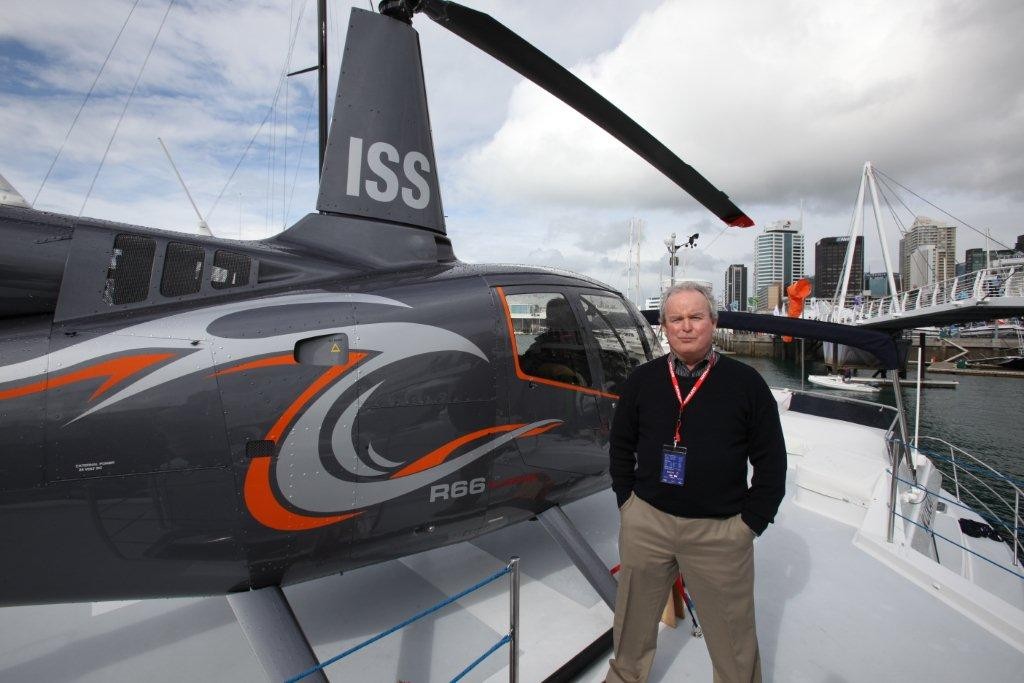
[(131, 265), (183, 269), (230, 269)]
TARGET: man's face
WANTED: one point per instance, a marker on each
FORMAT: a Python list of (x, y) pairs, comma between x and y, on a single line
[(688, 325)]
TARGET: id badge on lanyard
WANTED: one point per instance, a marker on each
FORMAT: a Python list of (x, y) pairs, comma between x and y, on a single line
[(673, 456)]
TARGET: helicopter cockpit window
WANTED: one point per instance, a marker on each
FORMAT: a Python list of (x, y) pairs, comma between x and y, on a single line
[(619, 343), (183, 269), (549, 341), (131, 264), (653, 340), (229, 270)]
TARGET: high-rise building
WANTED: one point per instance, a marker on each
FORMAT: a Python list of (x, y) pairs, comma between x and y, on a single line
[(877, 284), (829, 259), (975, 258), (930, 265), (774, 296), (1019, 246), (778, 258), (734, 297)]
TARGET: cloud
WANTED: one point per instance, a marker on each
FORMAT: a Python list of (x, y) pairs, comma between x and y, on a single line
[(775, 101)]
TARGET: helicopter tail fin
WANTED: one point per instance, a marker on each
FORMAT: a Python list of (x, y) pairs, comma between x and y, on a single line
[(379, 162)]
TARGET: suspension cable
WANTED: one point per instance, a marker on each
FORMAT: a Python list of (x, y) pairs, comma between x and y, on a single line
[(958, 220), (85, 101), (882, 187), (127, 101), (266, 117)]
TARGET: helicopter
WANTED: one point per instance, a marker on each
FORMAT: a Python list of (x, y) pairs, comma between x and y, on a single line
[(189, 415)]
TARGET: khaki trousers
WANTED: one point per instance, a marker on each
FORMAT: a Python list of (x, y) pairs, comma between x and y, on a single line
[(716, 559)]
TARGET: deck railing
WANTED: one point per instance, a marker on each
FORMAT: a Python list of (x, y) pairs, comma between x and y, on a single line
[(1004, 281), (982, 474)]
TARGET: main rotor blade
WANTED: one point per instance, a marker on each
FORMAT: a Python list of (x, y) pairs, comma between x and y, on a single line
[(492, 37)]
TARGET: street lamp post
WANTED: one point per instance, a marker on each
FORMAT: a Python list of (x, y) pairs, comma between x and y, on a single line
[(673, 260)]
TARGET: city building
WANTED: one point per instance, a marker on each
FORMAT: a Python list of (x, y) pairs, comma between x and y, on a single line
[(930, 265), (774, 295), (829, 259), (975, 258), (734, 297), (1019, 246), (778, 258), (877, 284), (924, 264)]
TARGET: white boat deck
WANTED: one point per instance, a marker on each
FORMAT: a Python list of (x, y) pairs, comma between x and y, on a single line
[(831, 607)]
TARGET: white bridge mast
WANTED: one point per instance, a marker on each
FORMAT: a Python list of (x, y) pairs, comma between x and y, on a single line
[(867, 180)]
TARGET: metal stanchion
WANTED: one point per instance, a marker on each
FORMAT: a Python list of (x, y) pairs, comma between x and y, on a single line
[(513, 616), (801, 364)]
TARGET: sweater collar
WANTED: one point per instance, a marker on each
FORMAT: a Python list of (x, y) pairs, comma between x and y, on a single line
[(685, 372)]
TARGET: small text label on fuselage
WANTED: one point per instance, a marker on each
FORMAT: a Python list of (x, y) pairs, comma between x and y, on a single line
[(457, 489), (383, 159)]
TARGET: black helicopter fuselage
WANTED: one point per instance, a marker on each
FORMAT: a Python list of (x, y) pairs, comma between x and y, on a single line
[(186, 415)]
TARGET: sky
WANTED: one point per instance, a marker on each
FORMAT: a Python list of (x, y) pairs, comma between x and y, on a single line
[(778, 103)]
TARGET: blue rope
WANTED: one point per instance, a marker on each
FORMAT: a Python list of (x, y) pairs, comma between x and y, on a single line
[(1019, 576), (430, 610), (506, 639), (997, 520)]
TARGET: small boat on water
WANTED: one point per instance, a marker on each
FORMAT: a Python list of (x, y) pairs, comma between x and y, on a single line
[(838, 382)]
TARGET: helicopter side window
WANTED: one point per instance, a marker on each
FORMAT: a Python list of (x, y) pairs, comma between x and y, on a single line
[(619, 342), (229, 269), (183, 269), (129, 270), (548, 339)]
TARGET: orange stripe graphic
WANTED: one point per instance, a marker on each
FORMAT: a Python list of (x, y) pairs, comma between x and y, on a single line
[(285, 359), (265, 509), (116, 370), (439, 455), (540, 380), (259, 496), (540, 430), (312, 390)]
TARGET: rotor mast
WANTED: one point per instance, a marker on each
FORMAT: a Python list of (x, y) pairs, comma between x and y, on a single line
[(321, 68)]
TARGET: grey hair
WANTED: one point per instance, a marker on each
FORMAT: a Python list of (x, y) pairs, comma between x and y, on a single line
[(690, 286)]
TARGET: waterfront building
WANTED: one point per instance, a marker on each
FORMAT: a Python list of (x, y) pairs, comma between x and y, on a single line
[(778, 258), (924, 264), (734, 297), (774, 295), (929, 265), (877, 284), (829, 259), (975, 258)]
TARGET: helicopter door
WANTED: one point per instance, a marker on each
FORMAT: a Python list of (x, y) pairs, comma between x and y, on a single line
[(621, 345), (23, 363), (555, 379)]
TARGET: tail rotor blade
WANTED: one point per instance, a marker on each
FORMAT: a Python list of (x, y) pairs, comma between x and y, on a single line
[(484, 32)]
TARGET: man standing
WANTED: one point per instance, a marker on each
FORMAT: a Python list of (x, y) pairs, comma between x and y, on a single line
[(684, 430)]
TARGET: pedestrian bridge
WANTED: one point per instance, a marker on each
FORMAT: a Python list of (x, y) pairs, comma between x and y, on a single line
[(986, 294)]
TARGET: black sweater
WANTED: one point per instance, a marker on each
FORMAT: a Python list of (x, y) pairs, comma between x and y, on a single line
[(732, 419)]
